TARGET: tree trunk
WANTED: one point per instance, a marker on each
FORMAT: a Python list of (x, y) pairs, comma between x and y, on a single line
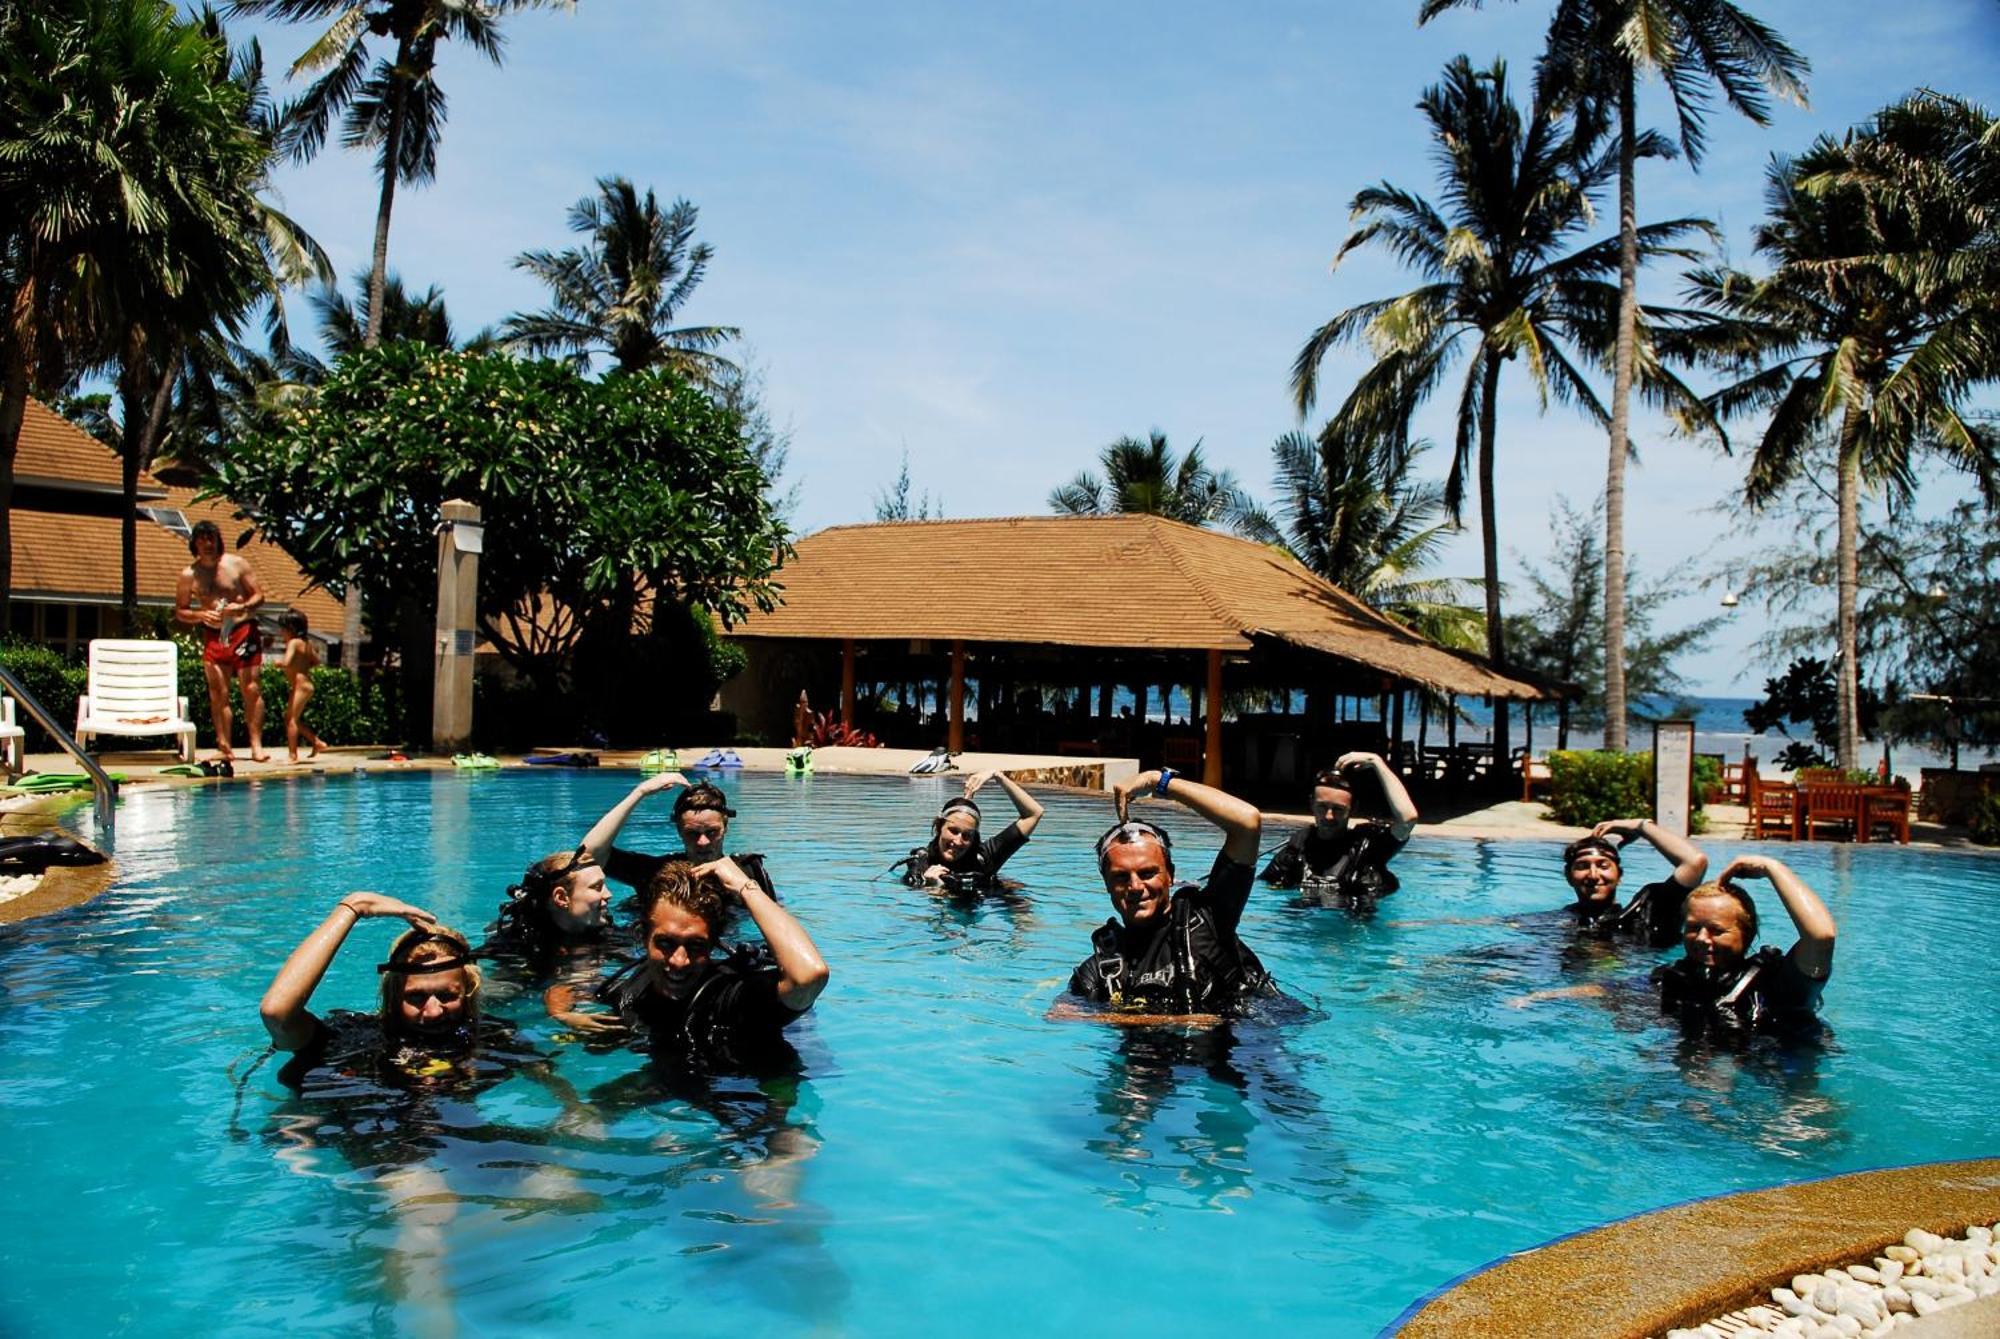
[(1489, 536), (1847, 673), (1621, 420), (13, 409), (143, 408)]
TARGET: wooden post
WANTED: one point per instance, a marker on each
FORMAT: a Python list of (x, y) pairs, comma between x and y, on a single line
[(955, 739), (847, 682), (1211, 753), (460, 540)]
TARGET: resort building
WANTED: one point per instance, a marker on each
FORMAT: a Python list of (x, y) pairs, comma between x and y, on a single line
[(1028, 627), (68, 495)]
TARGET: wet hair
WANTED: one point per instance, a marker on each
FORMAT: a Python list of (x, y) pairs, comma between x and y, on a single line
[(1132, 830), (407, 958), (676, 884), (702, 796), (1744, 906), (1593, 843), (203, 529), (525, 918), (934, 853), (293, 621)]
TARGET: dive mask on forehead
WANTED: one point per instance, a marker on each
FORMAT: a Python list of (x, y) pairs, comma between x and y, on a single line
[(399, 962), (1132, 830)]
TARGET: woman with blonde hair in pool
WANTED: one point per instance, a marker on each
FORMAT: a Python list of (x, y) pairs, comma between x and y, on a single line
[(1721, 986)]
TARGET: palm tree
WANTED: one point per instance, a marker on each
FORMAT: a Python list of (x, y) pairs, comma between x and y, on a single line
[(393, 106), (1876, 323), (1516, 190), (130, 158), (1597, 52), (619, 295), (1148, 477)]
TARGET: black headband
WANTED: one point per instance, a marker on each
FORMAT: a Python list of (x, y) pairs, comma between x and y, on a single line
[(408, 968), (702, 797)]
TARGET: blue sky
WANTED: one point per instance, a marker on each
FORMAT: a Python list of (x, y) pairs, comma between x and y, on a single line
[(999, 237)]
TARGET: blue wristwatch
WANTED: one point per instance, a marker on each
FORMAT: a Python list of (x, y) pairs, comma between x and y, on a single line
[(1166, 779)]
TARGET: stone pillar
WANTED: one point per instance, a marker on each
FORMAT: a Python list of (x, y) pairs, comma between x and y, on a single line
[(459, 542)]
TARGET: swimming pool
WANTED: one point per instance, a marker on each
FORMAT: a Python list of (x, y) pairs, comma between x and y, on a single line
[(951, 1160)]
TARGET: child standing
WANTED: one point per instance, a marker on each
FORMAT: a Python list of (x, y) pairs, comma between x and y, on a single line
[(299, 663)]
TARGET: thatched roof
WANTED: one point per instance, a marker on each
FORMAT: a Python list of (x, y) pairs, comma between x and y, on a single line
[(1111, 582)]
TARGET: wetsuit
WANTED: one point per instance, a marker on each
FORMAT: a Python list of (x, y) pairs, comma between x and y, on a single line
[(1188, 961), (635, 870), (1352, 865), (1767, 993), (982, 865), (383, 1101), (732, 1017), (1652, 917)]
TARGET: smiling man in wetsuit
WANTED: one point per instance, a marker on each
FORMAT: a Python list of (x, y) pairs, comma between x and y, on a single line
[(1338, 862), (1595, 865), (701, 818), (1172, 952), (218, 594)]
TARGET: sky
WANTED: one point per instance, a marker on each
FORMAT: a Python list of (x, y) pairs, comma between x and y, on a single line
[(996, 238)]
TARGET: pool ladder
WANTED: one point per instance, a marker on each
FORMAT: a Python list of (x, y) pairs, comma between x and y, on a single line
[(106, 790)]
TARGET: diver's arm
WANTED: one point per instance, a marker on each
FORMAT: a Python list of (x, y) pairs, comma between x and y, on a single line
[(1813, 954), (1402, 809), (559, 1002), (599, 840), (802, 973), (1690, 865), (286, 1017), (1242, 825), (1024, 804)]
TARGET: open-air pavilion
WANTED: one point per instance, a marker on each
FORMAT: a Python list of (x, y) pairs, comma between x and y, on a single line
[(1035, 621)]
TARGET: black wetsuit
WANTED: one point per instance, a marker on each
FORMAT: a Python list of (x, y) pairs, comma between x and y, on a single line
[(1350, 866), (732, 1018), (1188, 961), (979, 868), (1767, 993), (634, 869), (384, 1101), (1652, 917)]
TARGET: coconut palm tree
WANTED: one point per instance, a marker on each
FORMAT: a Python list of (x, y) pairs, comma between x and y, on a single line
[(1875, 325), (1499, 286), (619, 294), (1349, 512), (1598, 50), (392, 105), (1148, 477)]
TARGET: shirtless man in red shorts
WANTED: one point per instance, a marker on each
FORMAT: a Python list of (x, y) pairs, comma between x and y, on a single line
[(218, 593)]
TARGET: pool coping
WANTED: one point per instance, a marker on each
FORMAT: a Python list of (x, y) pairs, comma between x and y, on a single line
[(1685, 1263)]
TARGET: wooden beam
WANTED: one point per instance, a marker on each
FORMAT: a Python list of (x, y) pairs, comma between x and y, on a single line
[(1211, 753), (955, 740), (847, 682)]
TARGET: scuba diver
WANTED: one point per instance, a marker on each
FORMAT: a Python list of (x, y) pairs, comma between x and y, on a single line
[(692, 1006), (1338, 863), (554, 929), (1722, 988), (956, 859), (1594, 865), (429, 1021), (1172, 954), (701, 817)]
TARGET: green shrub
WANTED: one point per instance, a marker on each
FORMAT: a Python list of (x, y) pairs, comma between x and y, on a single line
[(54, 679), (1585, 788), (1984, 820), (1707, 780)]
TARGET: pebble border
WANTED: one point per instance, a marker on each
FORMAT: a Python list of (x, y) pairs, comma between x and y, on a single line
[(1923, 1275)]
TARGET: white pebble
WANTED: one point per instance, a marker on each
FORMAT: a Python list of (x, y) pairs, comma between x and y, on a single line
[(1791, 1301), (1982, 1235), (1904, 1253), (1836, 1276), (1895, 1298), (1843, 1325), (1803, 1284), (1889, 1270), (1926, 1242), (1863, 1274), (1923, 1303)]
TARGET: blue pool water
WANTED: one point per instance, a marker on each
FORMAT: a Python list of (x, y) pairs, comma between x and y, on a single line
[(951, 1160)]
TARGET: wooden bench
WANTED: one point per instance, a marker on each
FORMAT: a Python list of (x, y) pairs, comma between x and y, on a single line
[(1534, 772), (1886, 807), (1835, 804)]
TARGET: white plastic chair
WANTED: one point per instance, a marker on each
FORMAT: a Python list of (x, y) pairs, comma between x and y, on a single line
[(132, 691), (13, 738)]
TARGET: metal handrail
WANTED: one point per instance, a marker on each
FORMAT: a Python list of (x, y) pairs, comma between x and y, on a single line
[(104, 786)]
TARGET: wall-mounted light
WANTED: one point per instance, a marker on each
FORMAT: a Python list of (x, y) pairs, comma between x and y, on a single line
[(1729, 599)]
